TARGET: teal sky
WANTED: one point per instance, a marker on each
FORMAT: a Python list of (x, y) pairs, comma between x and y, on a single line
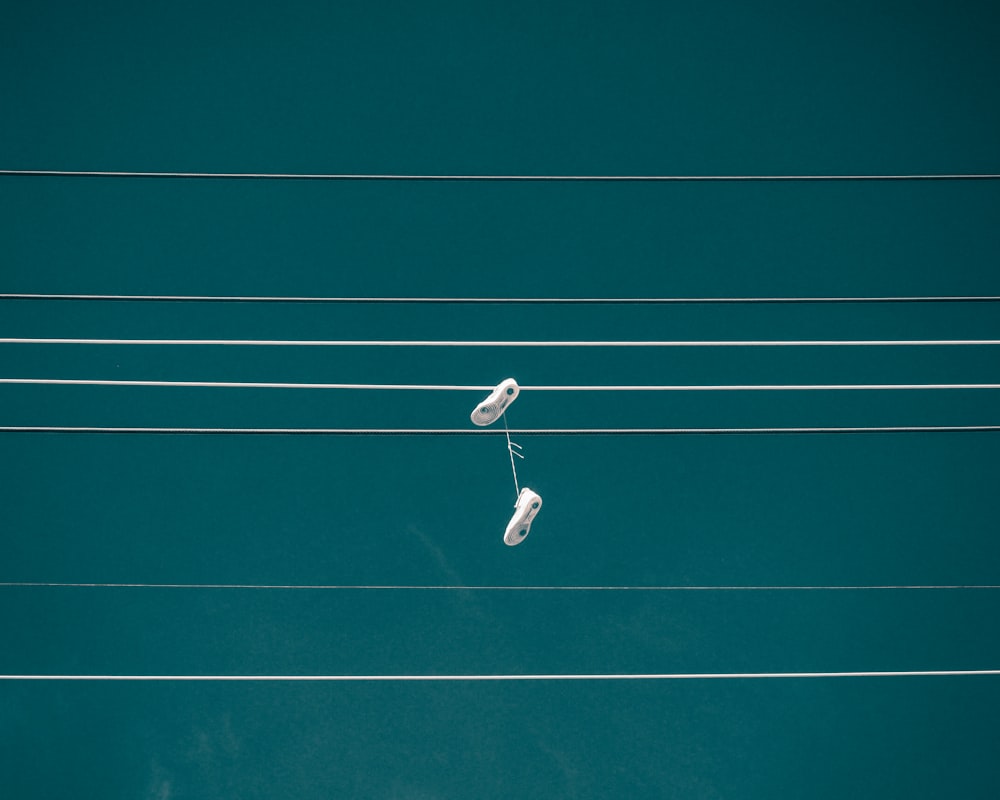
[(453, 88)]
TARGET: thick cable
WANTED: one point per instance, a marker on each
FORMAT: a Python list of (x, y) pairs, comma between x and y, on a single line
[(462, 388), (502, 300), (494, 343), (321, 176), (652, 676), (93, 429)]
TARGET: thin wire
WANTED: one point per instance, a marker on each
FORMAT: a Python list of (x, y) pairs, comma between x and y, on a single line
[(249, 384), (92, 429), (487, 343), (510, 450), (503, 300), (535, 677), (316, 176), (460, 388), (440, 588)]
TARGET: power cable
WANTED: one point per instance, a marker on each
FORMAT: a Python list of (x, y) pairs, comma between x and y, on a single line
[(92, 429), (504, 300), (528, 677), (319, 176), (493, 343), (511, 588), (461, 388)]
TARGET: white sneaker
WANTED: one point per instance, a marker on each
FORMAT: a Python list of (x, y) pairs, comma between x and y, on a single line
[(525, 509), (492, 407)]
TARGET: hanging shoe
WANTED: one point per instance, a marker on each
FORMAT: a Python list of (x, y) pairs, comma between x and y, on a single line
[(491, 409), (525, 509)]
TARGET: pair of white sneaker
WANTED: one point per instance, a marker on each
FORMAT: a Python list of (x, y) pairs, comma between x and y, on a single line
[(528, 502)]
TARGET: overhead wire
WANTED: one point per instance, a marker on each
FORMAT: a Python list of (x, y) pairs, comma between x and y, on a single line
[(507, 588), (649, 676), (495, 343), (502, 300), (260, 431), (334, 176), (465, 388)]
